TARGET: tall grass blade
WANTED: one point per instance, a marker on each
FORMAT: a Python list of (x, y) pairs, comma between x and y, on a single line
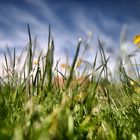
[(103, 58), (30, 60), (73, 64), (49, 62), (30, 55)]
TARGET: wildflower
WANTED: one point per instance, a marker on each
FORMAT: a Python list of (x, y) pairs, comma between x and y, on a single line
[(35, 62), (136, 40), (65, 66), (79, 62), (132, 83)]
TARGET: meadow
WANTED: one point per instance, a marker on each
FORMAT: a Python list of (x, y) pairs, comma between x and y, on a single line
[(39, 102)]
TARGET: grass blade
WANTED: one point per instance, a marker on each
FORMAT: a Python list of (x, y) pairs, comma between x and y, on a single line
[(73, 64)]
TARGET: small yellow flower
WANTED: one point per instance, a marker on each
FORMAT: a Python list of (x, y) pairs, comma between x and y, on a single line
[(132, 83), (65, 66), (79, 62), (136, 40), (35, 62)]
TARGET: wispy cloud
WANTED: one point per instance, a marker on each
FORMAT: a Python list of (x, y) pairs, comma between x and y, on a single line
[(39, 14)]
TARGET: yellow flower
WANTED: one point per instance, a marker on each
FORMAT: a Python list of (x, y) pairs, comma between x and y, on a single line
[(79, 62), (65, 66), (35, 62), (136, 40), (132, 83)]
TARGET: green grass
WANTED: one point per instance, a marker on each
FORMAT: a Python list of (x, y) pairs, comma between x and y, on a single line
[(36, 107)]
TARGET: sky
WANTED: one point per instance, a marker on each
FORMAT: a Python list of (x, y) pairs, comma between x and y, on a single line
[(69, 20)]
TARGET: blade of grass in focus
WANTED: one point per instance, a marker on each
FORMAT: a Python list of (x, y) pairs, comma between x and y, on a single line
[(48, 62)]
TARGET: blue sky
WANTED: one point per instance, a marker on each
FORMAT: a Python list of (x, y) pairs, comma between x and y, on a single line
[(69, 19)]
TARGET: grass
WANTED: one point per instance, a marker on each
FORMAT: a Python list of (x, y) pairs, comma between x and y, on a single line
[(36, 106)]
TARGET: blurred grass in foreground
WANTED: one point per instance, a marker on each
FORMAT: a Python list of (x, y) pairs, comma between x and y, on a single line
[(39, 102)]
